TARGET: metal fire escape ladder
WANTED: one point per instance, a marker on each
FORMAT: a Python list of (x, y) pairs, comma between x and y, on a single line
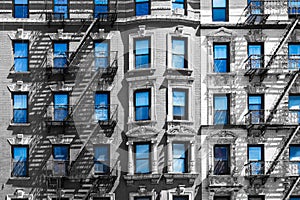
[(288, 193), (283, 148)]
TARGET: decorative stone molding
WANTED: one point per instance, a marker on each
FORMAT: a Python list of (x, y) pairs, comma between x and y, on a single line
[(222, 137), (143, 192), (60, 35), (20, 139), (19, 194), (101, 35), (61, 139), (181, 190), (61, 86), (111, 196), (21, 34), (255, 35), (256, 88), (184, 131), (217, 80), (142, 133), (19, 86)]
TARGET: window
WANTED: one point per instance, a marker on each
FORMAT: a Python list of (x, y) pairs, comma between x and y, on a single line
[(221, 58), (256, 7), (20, 108), (101, 159), (293, 7), (180, 105), (21, 56), (256, 159), (142, 7), (294, 159), (179, 4), (60, 160), (256, 197), (180, 157), (295, 198), (142, 198), (60, 9), (20, 161), (219, 10), (100, 7), (142, 104), (101, 198), (101, 54), (255, 107), (294, 56), (142, 53), (60, 50), (179, 53), (255, 52), (294, 108), (222, 198), (21, 9), (102, 106), (61, 103), (181, 197), (221, 159), (221, 109), (142, 158)]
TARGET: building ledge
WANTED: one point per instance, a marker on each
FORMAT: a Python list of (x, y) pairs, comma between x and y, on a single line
[(140, 72), (171, 176), (19, 124), (141, 177), (179, 72)]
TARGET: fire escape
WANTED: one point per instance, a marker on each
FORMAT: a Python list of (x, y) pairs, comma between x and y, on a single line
[(87, 77), (257, 121)]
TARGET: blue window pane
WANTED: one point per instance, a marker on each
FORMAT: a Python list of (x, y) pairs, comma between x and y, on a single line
[(179, 104), (20, 116), (142, 106), (60, 1), (178, 61), (60, 12), (21, 11), (221, 153), (142, 166), (220, 66), (61, 152), (295, 198), (21, 65), (255, 158), (142, 98), (179, 158), (293, 7), (141, 61), (60, 55), (20, 101), (221, 160), (255, 51), (294, 102), (255, 100), (180, 197), (21, 2), (179, 165), (220, 102), (255, 153), (100, 9), (20, 108), (219, 14), (20, 161), (219, 3), (220, 110), (21, 56), (220, 58), (142, 54), (294, 56), (177, 6), (294, 153), (141, 9), (178, 53), (101, 106), (142, 151), (142, 158), (101, 54), (101, 158), (61, 102), (142, 113)]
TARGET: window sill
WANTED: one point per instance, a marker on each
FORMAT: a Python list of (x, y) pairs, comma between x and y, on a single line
[(19, 124), (142, 122), (179, 72), (141, 177), (222, 180), (222, 74), (19, 73), (140, 72), (172, 175), (179, 122), (20, 178)]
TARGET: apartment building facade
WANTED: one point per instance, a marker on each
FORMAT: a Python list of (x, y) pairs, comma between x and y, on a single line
[(147, 100)]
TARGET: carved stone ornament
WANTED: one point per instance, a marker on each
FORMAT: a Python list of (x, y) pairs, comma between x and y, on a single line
[(19, 86), (181, 131), (221, 35), (256, 35), (21, 34), (61, 139), (61, 86), (20, 139), (142, 133), (227, 137)]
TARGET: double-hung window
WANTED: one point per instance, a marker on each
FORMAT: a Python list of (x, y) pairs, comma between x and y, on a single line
[(256, 7), (256, 197), (220, 10), (294, 56), (61, 9), (180, 157), (142, 7), (101, 159), (256, 159), (101, 54), (180, 105), (255, 107), (142, 158), (19, 161), (255, 53), (222, 159), (142, 53), (181, 197), (60, 160), (221, 57), (294, 166), (294, 108), (60, 50), (21, 9), (179, 53), (20, 106), (179, 4), (221, 109), (293, 7), (61, 106), (142, 104), (100, 8), (102, 106), (21, 56)]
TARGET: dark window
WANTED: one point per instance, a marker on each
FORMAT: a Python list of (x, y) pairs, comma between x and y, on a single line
[(142, 53), (20, 108), (294, 157), (61, 106), (142, 104), (142, 158), (60, 9), (256, 159), (179, 53), (21, 9), (221, 58), (221, 109), (180, 105), (101, 198), (294, 56), (21, 56), (179, 4), (60, 50), (293, 7), (221, 159), (294, 108), (255, 51), (256, 197), (295, 198), (180, 157), (101, 159), (220, 10), (142, 7), (100, 8), (60, 160), (221, 198), (102, 106), (20, 161), (255, 107), (142, 198), (101, 54), (181, 197)]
